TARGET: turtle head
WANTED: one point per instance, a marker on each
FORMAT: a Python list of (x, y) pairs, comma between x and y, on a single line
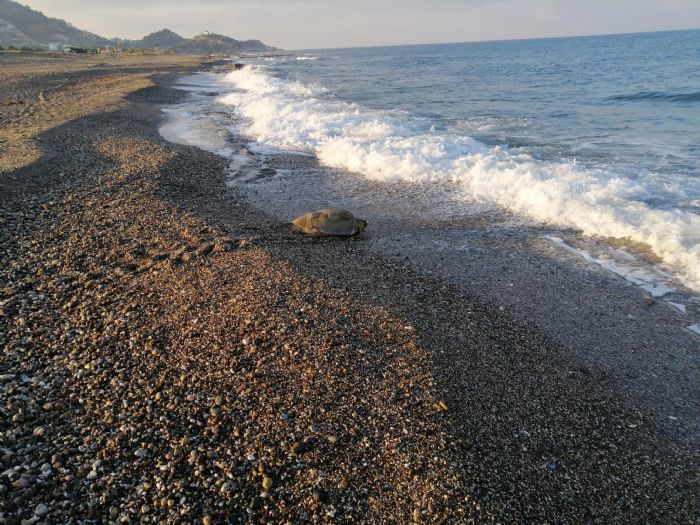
[(361, 225)]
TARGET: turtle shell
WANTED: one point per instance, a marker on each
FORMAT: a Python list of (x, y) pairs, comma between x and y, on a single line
[(330, 222)]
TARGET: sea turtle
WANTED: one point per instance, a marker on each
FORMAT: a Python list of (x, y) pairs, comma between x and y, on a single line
[(330, 222)]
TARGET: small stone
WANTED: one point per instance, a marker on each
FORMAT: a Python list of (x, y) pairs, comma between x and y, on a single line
[(140, 453), (333, 439), (206, 520), (41, 510), (441, 405), (267, 482), (319, 496), (219, 400), (21, 483)]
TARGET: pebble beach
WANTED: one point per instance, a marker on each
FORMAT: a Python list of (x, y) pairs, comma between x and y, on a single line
[(171, 354)]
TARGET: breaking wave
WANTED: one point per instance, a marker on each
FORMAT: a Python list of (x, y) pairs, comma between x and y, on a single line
[(293, 116)]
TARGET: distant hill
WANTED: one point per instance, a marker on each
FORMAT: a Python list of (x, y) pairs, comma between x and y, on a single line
[(165, 39), (21, 26), (203, 44), (210, 43)]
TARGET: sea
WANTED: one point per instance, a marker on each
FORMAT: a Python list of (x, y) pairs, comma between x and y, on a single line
[(594, 135)]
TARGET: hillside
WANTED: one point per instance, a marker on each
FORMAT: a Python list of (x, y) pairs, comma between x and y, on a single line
[(209, 43), (202, 44), (163, 39), (21, 26)]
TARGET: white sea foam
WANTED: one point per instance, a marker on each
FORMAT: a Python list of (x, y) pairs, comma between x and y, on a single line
[(653, 281), (680, 307), (191, 125), (307, 58), (290, 115), (185, 125)]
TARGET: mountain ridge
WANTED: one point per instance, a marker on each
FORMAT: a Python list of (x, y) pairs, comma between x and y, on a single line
[(22, 26)]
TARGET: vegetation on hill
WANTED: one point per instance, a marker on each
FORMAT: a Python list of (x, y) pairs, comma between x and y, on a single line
[(165, 38), (23, 27), (210, 43), (203, 44)]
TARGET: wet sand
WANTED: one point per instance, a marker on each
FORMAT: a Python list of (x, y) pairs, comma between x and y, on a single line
[(172, 353), (639, 343)]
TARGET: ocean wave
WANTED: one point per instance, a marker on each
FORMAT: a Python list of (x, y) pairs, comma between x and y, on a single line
[(307, 58), (293, 116), (657, 95)]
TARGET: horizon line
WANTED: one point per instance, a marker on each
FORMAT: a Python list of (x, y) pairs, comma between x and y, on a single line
[(559, 37)]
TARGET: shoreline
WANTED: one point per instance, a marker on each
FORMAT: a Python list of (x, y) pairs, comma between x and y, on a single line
[(608, 309), (173, 353)]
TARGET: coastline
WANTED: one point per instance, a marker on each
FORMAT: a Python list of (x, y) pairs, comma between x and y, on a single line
[(169, 349), (606, 302)]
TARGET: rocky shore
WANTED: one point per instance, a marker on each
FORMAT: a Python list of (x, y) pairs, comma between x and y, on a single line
[(171, 355)]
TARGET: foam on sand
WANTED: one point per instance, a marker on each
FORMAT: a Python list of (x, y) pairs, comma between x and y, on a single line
[(649, 279), (191, 125), (382, 146), (680, 307)]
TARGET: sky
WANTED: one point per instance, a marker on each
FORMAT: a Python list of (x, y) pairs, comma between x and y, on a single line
[(313, 24)]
